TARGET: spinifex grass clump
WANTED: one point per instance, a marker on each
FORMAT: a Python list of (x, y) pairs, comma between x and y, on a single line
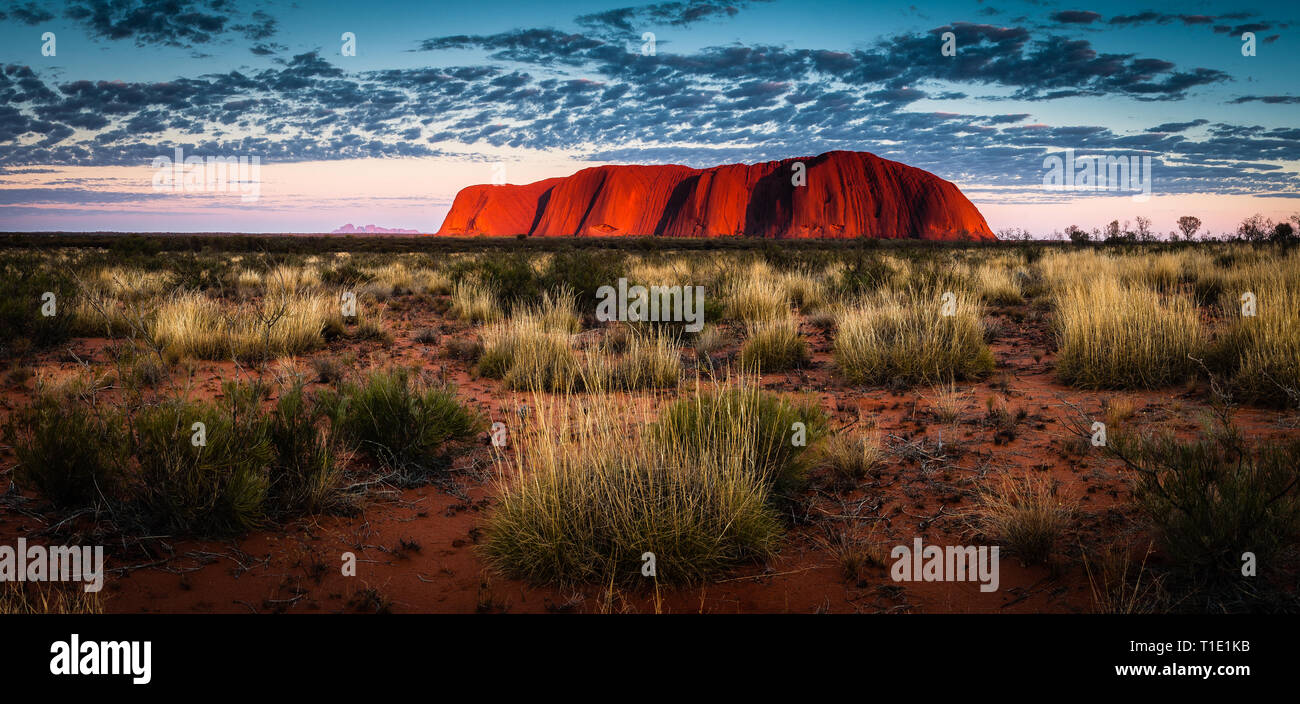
[(396, 278), (71, 451), (402, 423), (774, 345), (997, 284), (583, 503), (529, 354), (1024, 513), (43, 598), (531, 350), (756, 294), (913, 336), (474, 302), (773, 432), (804, 289), (644, 358), (849, 457), (194, 325), (1115, 336)]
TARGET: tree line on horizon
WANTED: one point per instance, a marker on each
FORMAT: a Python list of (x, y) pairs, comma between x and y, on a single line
[(1255, 228)]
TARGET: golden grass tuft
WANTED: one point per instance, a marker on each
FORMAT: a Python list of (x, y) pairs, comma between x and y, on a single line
[(285, 279), (1114, 336), (947, 402), (1260, 354), (649, 360), (528, 355), (194, 325), (1024, 513), (38, 598), (997, 285), (755, 294), (903, 336), (580, 502), (474, 302), (774, 345), (850, 457)]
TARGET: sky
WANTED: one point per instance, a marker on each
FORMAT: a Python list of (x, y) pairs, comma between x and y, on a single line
[(436, 96)]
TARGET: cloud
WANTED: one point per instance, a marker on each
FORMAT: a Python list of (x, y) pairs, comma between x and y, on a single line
[(1217, 23), (1177, 126), (179, 23), (1075, 17), (633, 20), (29, 13), (1040, 69), (1268, 99)]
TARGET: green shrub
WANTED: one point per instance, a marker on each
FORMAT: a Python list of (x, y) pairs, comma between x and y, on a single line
[(583, 272), (72, 453), (1214, 498), (304, 476), (217, 488), (864, 273), (511, 277), (196, 273), (23, 282)]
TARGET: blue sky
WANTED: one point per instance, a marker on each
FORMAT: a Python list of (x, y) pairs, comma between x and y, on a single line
[(437, 92)]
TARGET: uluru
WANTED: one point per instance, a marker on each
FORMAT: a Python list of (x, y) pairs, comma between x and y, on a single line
[(839, 194)]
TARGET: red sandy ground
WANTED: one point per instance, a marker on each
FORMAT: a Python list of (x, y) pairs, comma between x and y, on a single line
[(296, 568)]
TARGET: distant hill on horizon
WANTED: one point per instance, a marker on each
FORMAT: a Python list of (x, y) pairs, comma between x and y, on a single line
[(350, 229)]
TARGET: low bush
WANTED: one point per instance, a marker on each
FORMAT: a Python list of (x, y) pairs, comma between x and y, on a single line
[(1214, 498), (210, 479), (72, 452), (304, 476)]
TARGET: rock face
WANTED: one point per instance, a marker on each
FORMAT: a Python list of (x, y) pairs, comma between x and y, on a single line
[(846, 194)]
